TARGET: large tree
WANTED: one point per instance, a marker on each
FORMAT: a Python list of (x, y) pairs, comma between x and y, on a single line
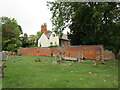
[(0, 37), (89, 22), (11, 32)]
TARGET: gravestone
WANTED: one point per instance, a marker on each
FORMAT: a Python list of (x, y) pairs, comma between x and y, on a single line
[(0, 56), (1, 70), (4, 56), (37, 60), (62, 54), (79, 56), (2, 66)]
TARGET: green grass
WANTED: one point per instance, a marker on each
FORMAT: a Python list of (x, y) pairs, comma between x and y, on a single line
[(29, 74)]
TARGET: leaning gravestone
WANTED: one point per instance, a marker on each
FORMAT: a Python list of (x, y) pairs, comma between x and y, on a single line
[(1, 70), (4, 56), (2, 66), (0, 56)]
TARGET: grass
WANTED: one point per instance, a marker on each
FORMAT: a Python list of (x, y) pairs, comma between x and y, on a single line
[(26, 73)]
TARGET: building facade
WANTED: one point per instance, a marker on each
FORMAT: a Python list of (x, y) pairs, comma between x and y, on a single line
[(47, 38)]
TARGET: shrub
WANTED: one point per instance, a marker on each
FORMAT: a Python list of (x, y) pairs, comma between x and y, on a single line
[(53, 46)]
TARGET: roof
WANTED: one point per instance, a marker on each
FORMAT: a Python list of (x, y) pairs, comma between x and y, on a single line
[(48, 35), (64, 36)]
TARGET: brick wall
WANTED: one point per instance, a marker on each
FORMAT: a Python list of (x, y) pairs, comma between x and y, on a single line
[(34, 51), (9, 52), (86, 51)]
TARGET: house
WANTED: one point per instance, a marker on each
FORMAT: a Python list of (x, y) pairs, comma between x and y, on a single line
[(47, 38)]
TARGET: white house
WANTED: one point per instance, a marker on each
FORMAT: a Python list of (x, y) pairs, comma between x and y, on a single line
[(47, 39)]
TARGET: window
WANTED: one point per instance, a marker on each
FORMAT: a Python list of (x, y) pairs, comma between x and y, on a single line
[(51, 43), (53, 35), (55, 43)]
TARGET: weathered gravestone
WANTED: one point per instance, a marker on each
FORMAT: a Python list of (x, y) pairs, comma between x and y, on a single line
[(79, 56), (55, 61), (0, 56), (37, 60), (2, 66), (4, 56)]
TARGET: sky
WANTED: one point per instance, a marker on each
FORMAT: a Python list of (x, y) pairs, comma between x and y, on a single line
[(30, 14)]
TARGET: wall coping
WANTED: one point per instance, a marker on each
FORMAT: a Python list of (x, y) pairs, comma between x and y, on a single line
[(62, 46)]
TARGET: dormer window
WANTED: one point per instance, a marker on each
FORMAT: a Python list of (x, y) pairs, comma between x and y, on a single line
[(53, 35)]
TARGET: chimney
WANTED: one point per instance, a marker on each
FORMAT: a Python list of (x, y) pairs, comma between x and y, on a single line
[(44, 28)]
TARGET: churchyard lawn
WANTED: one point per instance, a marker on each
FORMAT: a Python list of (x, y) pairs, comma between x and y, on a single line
[(26, 73)]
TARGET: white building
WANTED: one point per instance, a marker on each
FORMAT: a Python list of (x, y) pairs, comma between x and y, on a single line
[(48, 39)]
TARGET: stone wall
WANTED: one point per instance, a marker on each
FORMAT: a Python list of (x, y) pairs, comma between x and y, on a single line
[(108, 54)]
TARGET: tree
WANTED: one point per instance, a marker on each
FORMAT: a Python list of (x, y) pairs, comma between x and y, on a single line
[(32, 40), (90, 23), (24, 39), (49, 31), (10, 34), (38, 34), (0, 37)]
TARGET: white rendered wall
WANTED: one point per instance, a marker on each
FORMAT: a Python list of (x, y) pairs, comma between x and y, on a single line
[(54, 39), (44, 41)]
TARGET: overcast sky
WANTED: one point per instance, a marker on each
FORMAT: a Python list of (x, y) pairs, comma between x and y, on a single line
[(30, 14)]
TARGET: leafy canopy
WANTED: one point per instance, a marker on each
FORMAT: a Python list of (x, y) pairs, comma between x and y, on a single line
[(90, 23), (11, 32)]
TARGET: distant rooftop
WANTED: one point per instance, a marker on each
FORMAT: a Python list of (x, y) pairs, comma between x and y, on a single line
[(64, 36)]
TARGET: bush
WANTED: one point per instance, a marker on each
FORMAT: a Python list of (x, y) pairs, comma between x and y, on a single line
[(53, 46)]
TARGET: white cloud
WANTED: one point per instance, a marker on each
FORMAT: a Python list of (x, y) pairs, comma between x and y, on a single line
[(30, 14)]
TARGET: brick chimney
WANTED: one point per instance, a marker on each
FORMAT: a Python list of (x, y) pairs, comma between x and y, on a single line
[(44, 28)]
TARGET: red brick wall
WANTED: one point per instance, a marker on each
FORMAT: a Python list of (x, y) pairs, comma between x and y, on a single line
[(10, 53), (86, 51), (34, 51)]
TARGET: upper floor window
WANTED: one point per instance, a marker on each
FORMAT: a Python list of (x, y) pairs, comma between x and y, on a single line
[(53, 35), (55, 43)]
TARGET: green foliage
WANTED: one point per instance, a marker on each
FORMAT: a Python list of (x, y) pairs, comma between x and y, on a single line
[(90, 23), (10, 34), (26, 73), (38, 34), (0, 37), (53, 46), (49, 31), (30, 41)]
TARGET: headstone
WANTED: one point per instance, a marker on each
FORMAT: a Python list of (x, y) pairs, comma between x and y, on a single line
[(1, 70), (4, 56), (37, 60), (0, 56), (2, 66), (55, 62), (61, 54), (78, 56), (55, 54), (70, 64)]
